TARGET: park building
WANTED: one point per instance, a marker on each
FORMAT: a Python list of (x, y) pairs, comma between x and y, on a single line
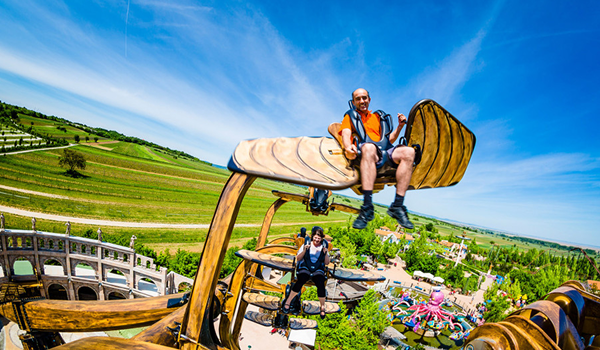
[(386, 235)]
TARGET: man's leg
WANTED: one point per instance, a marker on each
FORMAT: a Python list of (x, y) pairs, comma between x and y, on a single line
[(404, 157), (368, 172)]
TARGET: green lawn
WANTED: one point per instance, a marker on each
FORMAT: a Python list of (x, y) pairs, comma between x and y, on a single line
[(122, 187), (130, 182)]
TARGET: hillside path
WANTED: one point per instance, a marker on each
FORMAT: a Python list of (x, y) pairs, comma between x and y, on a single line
[(97, 222), (40, 149)]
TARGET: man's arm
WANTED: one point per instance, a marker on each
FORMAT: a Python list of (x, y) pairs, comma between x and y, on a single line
[(349, 148), (394, 134)]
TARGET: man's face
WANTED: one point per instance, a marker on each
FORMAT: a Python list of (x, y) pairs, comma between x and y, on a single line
[(361, 100)]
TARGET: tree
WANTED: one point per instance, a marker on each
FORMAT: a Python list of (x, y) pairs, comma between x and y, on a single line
[(77, 138), (87, 139), (96, 139), (369, 318), (348, 253), (72, 160), (497, 306), (375, 248)]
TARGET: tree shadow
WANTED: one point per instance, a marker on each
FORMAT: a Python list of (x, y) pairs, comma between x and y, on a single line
[(75, 174)]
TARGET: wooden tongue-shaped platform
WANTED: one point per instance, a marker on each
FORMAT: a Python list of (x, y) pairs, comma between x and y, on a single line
[(267, 321), (271, 261), (286, 265), (312, 307), (310, 161), (445, 143), (264, 301), (355, 275), (273, 303), (260, 318), (345, 208)]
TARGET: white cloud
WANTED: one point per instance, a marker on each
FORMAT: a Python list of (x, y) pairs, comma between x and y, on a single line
[(443, 82), (269, 96)]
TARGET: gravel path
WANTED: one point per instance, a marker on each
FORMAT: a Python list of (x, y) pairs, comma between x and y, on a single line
[(43, 194), (97, 222), (40, 149)]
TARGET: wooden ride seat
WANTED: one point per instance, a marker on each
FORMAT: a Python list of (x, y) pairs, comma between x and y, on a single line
[(444, 144), (386, 175)]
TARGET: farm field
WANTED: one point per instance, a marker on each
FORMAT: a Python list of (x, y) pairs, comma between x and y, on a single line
[(50, 128), (126, 181), (125, 187), (136, 183)]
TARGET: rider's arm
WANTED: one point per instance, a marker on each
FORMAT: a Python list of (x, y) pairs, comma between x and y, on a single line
[(327, 260), (301, 252), (349, 148), (401, 122)]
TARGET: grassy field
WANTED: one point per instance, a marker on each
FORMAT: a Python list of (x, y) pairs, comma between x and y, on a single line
[(49, 127), (125, 181), (131, 182)]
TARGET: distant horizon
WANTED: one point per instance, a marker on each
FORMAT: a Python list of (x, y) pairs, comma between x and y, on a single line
[(574, 244)]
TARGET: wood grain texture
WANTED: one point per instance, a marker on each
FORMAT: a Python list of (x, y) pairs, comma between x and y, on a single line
[(88, 316), (312, 307), (310, 161), (96, 343), (355, 275), (446, 144), (264, 301), (274, 262)]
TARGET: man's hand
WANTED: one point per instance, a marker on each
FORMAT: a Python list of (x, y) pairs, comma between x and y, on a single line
[(401, 120), (351, 151)]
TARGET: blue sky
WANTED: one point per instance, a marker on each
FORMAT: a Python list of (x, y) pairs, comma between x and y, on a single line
[(201, 76)]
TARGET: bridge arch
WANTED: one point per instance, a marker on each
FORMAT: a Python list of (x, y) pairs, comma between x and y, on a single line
[(53, 261), (146, 284), (57, 291), (87, 293), (116, 295), (76, 262), (116, 276), (84, 270), (24, 270)]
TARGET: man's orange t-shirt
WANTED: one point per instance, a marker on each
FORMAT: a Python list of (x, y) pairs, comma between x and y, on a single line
[(371, 123)]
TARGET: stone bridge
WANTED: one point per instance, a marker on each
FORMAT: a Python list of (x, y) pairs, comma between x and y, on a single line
[(77, 268)]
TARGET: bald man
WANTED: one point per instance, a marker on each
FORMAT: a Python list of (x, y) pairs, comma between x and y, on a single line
[(375, 150)]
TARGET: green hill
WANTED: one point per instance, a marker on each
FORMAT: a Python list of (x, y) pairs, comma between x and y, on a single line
[(131, 181)]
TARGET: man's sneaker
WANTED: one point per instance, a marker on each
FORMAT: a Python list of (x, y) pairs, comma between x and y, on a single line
[(399, 213), (367, 213)]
